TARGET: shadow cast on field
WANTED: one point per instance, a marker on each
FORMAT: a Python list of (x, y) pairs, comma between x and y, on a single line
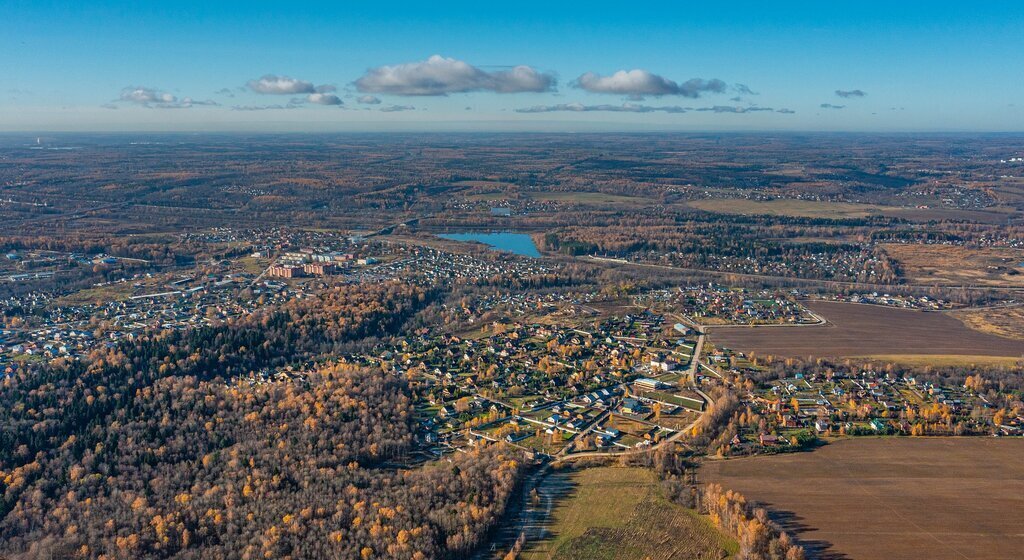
[(816, 549), (530, 517)]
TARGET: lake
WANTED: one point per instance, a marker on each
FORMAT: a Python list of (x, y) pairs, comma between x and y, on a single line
[(518, 243)]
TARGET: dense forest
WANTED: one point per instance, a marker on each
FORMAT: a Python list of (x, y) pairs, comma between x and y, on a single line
[(731, 247), (160, 447), (199, 468), (43, 404), (161, 249)]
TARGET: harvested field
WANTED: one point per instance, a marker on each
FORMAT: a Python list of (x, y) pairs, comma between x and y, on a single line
[(863, 330), (567, 197), (786, 207), (592, 198), (824, 209), (620, 513), (1002, 321), (951, 265), (892, 498)]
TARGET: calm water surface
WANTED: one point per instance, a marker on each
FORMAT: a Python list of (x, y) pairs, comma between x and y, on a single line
[(518, 243)]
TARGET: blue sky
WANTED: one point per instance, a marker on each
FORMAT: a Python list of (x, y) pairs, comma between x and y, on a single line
[(184, 65)]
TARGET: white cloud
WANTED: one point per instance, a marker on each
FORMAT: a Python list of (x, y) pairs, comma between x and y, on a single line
[(145, 95), (280, 85), (441, 76), (190, 101), (157, 99), (638, 108), (581, 108), (263, 107), (638, 83), (368, 100), (324, 99), (734, 109)]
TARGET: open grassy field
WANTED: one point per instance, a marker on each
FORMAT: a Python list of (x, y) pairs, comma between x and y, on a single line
[(1002, 321), (582, 197), (865, 330), (571, 197), (958, 266), (788, 207), (892, 498), (482, 183), (825, 209), (252, 265), (620, 513), (98, 295)]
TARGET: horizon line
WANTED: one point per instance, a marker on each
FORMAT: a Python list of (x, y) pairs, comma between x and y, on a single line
[(267, 131)]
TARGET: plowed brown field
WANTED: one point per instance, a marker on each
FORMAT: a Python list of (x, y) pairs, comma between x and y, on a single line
[(861, 330), (892, 499)]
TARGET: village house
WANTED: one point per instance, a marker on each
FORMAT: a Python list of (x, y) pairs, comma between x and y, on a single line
[(632, 406)]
